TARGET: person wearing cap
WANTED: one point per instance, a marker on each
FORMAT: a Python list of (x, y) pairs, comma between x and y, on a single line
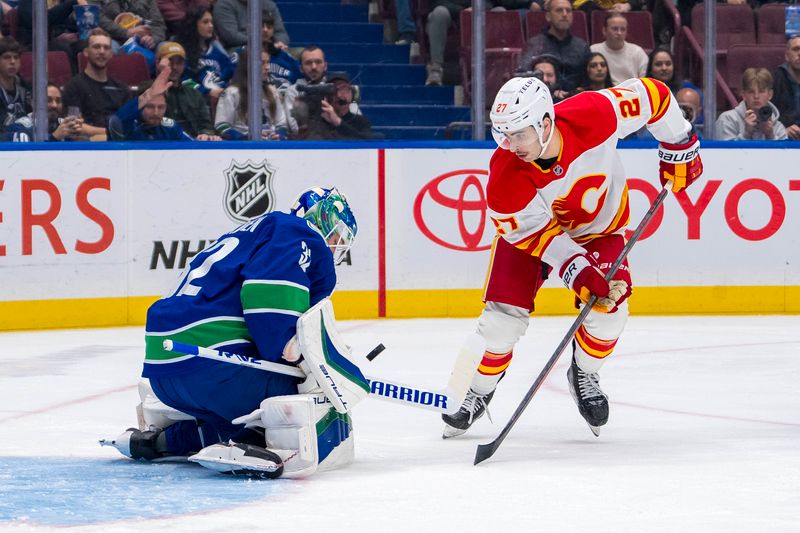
[(142, 118), (338, 121), (185, 104)]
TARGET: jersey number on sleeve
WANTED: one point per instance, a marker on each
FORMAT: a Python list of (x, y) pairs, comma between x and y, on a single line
[(214, 253), (505, 225), (628, 102)]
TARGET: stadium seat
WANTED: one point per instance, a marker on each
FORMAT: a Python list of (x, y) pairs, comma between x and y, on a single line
[(504, 42), (130, 69), (9, 25), (59, 70), (535, 22), (744, 56), (640, 28), (772, 24), (735, 25)]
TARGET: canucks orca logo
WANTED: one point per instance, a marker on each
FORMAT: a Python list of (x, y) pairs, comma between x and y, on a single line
[(305, 257), (248, 190)]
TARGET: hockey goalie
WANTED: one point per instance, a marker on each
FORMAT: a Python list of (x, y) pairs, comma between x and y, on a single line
[(262, 291)]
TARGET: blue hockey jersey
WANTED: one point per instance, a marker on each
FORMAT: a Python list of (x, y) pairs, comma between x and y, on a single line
[(213, 70), (242, 294)]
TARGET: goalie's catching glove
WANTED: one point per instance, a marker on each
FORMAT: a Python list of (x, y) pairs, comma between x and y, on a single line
[(581, 274), (680, 163)]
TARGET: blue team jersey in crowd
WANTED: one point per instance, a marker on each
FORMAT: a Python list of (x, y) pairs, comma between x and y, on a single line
[(213, 70), (242, 294), (125, 125)]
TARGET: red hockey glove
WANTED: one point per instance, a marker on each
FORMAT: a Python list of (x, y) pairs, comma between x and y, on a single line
[(580, 273), (680, 163)]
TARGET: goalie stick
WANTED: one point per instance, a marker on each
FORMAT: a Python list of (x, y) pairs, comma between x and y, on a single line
[(484, 451), (446, 401)]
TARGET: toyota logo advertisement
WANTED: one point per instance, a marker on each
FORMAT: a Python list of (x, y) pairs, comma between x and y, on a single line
[(450, 210)]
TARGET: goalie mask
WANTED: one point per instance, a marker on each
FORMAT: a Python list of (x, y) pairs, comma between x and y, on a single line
[(522, 102), (329, 212)]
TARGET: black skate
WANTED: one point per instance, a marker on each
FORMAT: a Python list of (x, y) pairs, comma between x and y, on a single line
[(137, 444), (592, 402), (472, 409)]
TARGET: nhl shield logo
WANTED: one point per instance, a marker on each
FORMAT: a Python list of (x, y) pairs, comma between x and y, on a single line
[(558, 170), (248, 190)]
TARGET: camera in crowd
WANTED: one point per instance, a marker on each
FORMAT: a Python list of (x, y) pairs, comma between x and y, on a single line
[(317, 92), (688, 112), (764, 113), (313, 95)]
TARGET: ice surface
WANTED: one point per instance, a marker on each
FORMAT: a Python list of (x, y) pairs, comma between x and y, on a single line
[(704, 435)]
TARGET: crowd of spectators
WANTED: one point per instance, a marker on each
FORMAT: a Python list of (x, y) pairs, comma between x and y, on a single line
[(196, 53)]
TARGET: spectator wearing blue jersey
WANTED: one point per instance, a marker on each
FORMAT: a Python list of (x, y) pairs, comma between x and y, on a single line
[(242, 294), (284, 69), (15, 94), (142, 118), (59, 128), (208, 64)]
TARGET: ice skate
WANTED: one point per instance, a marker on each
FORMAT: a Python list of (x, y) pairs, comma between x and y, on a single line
[(137, 444), (472, 409), (592, 402), (240, 459)]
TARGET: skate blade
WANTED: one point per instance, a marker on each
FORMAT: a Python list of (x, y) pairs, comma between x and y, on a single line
[(595, 430), (450, 432)]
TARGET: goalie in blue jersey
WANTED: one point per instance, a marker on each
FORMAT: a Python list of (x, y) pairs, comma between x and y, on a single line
[(244, 294)]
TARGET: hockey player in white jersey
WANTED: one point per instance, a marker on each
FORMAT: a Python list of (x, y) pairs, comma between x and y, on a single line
[(558, 197)]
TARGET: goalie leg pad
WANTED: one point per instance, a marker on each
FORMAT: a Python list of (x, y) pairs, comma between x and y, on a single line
[(305, 431), (327, 358)]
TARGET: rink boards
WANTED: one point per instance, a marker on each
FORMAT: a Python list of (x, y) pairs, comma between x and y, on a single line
[(92, 237)]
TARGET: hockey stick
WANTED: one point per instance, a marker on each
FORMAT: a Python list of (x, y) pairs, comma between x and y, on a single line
[(485, 451), (447, 401)]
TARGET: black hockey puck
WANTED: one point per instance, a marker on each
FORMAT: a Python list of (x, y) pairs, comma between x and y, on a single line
[(375, 352)]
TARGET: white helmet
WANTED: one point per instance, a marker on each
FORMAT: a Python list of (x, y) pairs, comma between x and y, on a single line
[(522, 102)]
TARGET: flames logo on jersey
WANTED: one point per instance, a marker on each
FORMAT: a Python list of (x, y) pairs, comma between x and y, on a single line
[(582, 203)]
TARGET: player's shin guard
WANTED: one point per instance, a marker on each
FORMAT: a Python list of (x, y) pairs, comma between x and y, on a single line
[(594, 342)]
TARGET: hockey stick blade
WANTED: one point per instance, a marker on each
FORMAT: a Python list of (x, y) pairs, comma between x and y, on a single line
[(485, 451)]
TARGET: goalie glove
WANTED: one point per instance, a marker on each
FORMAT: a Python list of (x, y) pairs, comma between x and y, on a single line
[(680, 163)]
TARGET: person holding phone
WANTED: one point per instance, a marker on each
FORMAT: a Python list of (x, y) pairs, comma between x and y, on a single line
[(59, 127)]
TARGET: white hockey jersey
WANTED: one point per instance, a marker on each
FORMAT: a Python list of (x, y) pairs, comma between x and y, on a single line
[(548, 213)]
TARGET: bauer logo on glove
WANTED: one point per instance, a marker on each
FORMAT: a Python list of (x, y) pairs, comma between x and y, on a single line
[(680, 163)]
